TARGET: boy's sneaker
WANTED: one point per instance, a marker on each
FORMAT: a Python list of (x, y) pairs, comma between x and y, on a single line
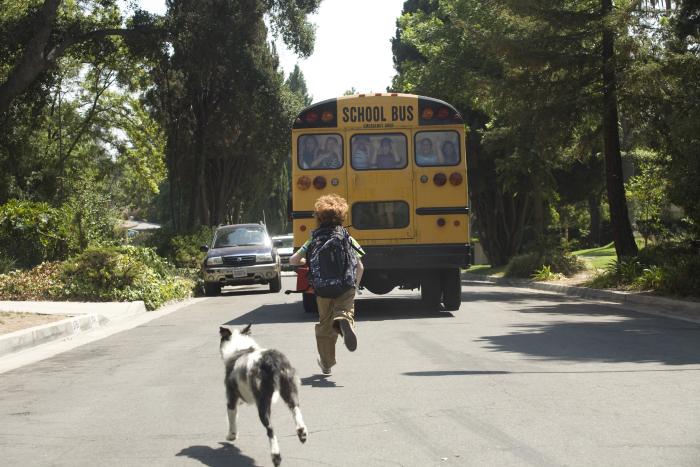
[(349, 336), (325, 371)]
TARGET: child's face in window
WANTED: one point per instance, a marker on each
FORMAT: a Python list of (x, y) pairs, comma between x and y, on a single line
[(426, 147)]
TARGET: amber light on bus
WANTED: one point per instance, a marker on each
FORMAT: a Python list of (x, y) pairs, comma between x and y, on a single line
[(456, 178), (327, 116), (304, 183)]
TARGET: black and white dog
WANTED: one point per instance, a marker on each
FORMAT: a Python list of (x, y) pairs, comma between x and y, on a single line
[(258, 376)]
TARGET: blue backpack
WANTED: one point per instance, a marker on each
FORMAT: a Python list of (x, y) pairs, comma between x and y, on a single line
[(332, 261)]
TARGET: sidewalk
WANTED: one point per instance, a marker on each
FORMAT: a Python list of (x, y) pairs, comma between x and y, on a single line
[(652, 304), (87, 322)]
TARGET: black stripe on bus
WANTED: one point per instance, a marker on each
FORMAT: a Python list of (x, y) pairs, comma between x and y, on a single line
[(302, 214), (443, 210), (329, 106), (453, 117)]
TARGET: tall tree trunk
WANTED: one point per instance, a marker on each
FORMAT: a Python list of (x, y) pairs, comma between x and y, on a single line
[(619, 217)]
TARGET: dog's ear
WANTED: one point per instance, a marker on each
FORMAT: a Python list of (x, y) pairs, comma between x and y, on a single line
[(225, 332), (246, 330)]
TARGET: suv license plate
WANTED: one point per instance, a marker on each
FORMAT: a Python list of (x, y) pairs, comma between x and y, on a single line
[(239, 272)]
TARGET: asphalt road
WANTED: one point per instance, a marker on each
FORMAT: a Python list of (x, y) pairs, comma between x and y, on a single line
[(515, 377)]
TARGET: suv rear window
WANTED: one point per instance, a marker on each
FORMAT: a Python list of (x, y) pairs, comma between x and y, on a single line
[(240, 236)]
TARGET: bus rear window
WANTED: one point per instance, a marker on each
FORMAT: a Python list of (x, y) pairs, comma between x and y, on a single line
[(437, 148), (318, 152), (380, 215), (383, 151)]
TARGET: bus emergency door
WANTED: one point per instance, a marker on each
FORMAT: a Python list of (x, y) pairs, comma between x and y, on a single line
[(380, 184)]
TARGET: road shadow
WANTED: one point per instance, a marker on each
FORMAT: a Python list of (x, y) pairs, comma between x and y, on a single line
[(366, 309), (618, 337), (440, 373), (224, 456), (319, 381)]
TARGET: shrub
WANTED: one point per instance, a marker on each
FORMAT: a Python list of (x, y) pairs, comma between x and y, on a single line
[(557, 260), (125, 273), (544, 274), (41, 283), (182, 250), (7, 264), (32, 232)]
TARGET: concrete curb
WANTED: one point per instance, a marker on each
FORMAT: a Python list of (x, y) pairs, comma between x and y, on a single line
[(668, 307), (83, 319)]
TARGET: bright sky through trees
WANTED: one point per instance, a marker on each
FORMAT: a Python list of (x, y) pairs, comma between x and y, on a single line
[(353, 47)]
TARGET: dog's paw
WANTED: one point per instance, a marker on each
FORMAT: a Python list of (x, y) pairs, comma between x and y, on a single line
[(276, 459), (303, 434), (232, 436)]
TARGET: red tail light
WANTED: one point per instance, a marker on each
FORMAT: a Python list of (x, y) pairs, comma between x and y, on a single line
[(311, 117), (456, 223), (319, 183), (304, 182), (440, 179), (441, 222), (443, 113), (456, 178), (302, 228)]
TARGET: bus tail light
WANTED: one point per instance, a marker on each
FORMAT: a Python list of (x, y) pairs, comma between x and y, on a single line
[(303, 183), (456, 178), (302, 228), (441, 222), (427, 113), (457, 223), (319, 182), (327, 116), (311, 117), (440, 179), (443, 113)]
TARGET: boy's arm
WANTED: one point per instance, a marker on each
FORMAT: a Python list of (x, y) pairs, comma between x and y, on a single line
[(298, 258), (358, 272)]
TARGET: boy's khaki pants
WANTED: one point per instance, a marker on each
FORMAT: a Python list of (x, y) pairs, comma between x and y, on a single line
[(330, 310)]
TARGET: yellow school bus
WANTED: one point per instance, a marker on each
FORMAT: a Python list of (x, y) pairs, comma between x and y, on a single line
[(400, 161)]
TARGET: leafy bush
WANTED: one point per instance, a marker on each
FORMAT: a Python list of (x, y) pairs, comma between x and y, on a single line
[(545, 274), (32, 232), (41, 283), (182, 250), (557, 260), (669, 268), (123, 274), (7, 264)]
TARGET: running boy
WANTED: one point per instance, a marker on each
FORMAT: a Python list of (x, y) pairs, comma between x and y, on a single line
[(337, 314)]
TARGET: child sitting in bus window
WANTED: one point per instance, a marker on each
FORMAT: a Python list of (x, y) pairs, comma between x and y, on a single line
[(425, 154), (329, 156), (360, 153), (449, 153), (307, 154), (386, 158)]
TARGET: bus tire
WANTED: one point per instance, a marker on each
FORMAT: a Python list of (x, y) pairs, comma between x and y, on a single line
[(451, 284), (309, 302), (430, 291)]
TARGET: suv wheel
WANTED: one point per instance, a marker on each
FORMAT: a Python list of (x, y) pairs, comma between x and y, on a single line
[(211, 290), (276, 283)]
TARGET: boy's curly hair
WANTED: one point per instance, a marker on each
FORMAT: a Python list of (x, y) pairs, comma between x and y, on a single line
[(331, 210)]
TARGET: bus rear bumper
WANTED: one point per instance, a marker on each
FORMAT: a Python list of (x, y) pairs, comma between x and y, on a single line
[(435, 256)]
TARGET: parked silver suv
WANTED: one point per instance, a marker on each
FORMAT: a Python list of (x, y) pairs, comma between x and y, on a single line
[(240, 254)]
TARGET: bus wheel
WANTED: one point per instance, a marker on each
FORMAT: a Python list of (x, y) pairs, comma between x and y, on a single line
[(310, 305), (451, 289), (430, 291)]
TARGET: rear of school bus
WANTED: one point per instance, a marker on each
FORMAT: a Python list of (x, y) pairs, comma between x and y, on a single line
[(400, 162)]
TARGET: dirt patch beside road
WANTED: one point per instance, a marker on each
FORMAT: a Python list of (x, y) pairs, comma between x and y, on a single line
[(11, 321)]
